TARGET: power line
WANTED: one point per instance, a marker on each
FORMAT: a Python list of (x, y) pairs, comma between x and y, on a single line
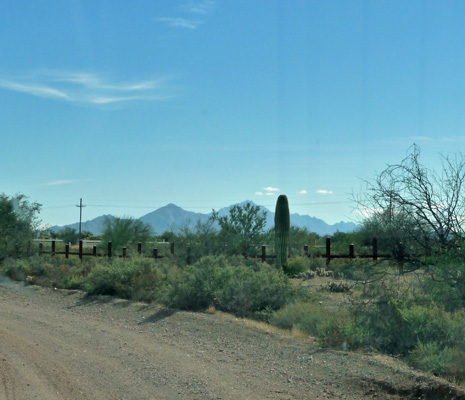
[(196, 207)]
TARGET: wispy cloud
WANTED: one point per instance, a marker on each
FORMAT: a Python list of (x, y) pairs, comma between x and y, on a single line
[(198, 7), (107, 100), (59, 182), (259, 193), (180, 22), (55, 183), (303, 192), (271, 189), (422, 139), (321, 191), (195, 13), (87, 88), (34, 89)]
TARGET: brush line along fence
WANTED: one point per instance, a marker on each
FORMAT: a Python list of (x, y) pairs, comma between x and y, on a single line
[(94, 253), (263, 256)]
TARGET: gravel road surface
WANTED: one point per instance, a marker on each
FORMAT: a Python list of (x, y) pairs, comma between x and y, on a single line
[(57, 344)]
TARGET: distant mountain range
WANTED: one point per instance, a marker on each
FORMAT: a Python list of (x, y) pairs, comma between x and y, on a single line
[(171, 217)]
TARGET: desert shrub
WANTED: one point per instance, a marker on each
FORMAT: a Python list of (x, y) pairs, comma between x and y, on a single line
[(296, 265), (448, 362), (394, 326), (60, 270), (137, 278), (315, 263), (193, 288), (358, 269), (15, 269), (291, 316), (248, 293), (21, 268), (333, 327), (75, 282), (447, 287), (47, 271)]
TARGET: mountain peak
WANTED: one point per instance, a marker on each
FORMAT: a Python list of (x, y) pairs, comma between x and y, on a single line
[(172, 217), (171, 205)]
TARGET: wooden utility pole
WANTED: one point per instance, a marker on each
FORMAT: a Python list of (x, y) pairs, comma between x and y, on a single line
[(80, 216)]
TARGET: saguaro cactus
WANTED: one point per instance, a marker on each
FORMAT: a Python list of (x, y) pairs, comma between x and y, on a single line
[(282, 226)]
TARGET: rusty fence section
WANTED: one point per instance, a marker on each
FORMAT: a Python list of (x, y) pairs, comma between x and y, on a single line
[(109, 253), (263, 256)]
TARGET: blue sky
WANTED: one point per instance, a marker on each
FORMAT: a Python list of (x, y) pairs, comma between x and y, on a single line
[(133, 105)]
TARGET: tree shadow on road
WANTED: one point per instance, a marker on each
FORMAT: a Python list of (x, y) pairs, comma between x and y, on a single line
[(158, 316), (91, 300)]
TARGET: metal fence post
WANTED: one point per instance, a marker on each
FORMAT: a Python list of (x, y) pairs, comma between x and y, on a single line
[(375, 248), (80, 250), (351, 251), (328, 250)]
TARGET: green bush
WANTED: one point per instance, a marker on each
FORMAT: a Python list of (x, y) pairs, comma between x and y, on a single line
[(315, 263), (394, 326), (248, 293), (442, 361), (252, 291), (448, 286), (357, 269), (296, 265), (194, 286), (137, 278), (22, 268), (332, 327)]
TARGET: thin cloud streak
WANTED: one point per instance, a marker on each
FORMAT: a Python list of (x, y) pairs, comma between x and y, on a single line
[(87, 88), (180, 22), (108, 100), (321, 191), (59, 182), (197, 13), (34, 89), (271, 189), (198, 7)]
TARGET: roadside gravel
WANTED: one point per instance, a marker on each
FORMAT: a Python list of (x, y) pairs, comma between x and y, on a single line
[(58, 344)]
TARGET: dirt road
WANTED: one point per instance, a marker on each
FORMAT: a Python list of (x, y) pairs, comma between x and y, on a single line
[(63, 345)]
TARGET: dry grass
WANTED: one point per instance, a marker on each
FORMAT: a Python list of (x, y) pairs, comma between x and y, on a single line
[(265, 327)]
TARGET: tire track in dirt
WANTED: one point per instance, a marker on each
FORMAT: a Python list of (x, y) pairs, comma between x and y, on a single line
[(7, 378), (36, 370)]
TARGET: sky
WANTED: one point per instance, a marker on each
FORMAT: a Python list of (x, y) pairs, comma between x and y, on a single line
[(134, 105)]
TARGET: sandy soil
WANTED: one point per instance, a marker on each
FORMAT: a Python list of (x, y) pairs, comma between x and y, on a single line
[(57, 344)]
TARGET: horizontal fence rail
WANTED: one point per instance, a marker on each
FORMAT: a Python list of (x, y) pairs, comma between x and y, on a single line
[(263, 256), (94, 253)]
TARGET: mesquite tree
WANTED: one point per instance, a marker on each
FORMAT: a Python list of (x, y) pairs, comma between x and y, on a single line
[(242, 227), (412, 203), (282, 226), (19, 224)]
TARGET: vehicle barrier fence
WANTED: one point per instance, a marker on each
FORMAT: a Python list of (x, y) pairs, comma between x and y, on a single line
[(263, 256)]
